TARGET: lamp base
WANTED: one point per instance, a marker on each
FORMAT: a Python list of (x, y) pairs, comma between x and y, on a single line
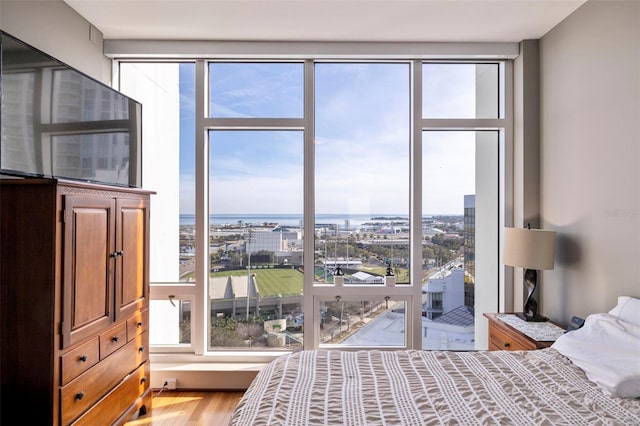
[(530, 318)]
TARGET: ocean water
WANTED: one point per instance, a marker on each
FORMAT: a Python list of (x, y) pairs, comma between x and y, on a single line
[(286, 219)]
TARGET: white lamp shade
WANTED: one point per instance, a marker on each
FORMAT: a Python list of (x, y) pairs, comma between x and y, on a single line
[(529, 248)]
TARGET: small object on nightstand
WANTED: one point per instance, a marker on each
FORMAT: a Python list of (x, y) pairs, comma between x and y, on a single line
[(576, 323)]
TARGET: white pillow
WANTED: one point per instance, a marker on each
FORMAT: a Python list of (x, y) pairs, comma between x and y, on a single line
[(628, 309), (607, 349), (628, 387)]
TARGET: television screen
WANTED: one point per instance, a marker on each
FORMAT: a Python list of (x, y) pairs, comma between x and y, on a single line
[(58, 122)]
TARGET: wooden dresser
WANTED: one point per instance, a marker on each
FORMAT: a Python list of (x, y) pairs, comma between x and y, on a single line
[(74, 300), (506, 337)]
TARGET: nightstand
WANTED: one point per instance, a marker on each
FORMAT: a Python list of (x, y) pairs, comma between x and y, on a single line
[(507, 332)]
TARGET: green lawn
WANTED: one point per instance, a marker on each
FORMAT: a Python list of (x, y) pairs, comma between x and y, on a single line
[(272, 281), (290, 281)]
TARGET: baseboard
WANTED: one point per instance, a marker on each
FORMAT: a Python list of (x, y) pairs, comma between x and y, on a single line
[(205, 376)]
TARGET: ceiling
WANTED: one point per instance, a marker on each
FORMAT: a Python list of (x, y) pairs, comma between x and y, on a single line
[(326, 20)]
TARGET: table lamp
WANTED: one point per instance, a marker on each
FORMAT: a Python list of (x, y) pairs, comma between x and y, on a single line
[(531, 249)]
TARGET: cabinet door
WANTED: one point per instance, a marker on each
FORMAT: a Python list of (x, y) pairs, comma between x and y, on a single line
[(132, 268), (88, 263)]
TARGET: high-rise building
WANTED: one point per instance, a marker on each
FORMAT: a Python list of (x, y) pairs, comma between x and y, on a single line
[(469, 235)]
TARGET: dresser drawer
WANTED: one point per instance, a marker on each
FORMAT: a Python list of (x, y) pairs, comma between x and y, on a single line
[(137, 324), (79, 360), (119, 399), (499, 339), (112, 339), (93, 384)]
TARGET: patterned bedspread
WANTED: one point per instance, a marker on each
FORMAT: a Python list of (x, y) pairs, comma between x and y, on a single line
[(428, 388)]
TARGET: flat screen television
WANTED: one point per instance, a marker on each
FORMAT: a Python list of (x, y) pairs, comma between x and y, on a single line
[(58, 122)]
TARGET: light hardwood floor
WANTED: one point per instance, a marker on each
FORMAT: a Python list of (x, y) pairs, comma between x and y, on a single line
[(192, 408)]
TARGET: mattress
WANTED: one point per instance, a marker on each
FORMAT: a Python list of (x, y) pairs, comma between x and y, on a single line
[(413, 387)]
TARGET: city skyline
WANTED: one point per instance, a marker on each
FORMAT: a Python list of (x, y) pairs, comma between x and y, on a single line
[(294, 219)]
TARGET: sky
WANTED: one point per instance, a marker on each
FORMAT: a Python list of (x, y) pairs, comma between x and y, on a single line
[(361, 144)]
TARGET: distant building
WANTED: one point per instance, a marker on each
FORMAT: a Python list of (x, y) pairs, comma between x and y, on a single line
[(469, 234), (342, 262), (235, 296), (443, 293), (362, 277), (388, 329), (271, 240), (447, 323), (284, 243), (454, 330)]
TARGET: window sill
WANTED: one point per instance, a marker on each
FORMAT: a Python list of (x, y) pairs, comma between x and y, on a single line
[(225, 371)]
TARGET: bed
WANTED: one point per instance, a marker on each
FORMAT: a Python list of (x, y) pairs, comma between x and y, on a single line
[(590, 376)]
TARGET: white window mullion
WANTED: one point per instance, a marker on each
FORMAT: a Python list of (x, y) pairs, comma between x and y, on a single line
[(416, 207), (311, 322), (255, 123), (201, 307), (463, 123), (506, 179)]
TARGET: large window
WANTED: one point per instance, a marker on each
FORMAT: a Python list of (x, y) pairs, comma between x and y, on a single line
[(361, 156), (459, 167), (321, 203), (255, 238)]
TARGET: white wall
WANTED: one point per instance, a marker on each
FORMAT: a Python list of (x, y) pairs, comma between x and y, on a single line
[(59, 31), (157, 87), (590, 157), (526, 159)]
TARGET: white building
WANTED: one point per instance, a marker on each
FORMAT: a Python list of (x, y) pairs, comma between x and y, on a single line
[(274, 240), (443, 292), (265, 241), (454, 330)]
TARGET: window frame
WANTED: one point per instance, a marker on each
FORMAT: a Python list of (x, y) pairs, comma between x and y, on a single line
[(412, 294)]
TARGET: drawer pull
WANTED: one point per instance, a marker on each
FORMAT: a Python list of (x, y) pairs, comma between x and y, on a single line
[(83, 358), (506, 344), (79, 395), (140, 324), (141, 349), (115, 339), (143, 380)]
